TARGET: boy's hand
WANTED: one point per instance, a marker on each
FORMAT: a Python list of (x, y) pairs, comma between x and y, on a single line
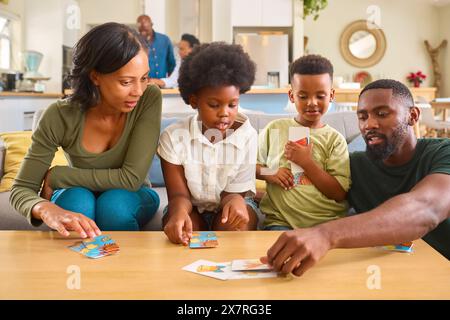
[(179, 228), (300, 155), (283, 178), (235, 212)]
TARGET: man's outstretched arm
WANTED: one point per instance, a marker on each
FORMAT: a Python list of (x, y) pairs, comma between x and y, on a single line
[(403, 218)]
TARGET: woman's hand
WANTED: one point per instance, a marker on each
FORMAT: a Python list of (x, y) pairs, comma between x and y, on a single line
[(64, 221), (179, 228), (46, 191)]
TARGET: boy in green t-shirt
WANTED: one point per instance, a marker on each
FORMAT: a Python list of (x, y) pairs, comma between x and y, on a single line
[(316, 194)]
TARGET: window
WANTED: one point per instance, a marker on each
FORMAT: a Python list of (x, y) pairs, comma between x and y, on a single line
[(5, 43)]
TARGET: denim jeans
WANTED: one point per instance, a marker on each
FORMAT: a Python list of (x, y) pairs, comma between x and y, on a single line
[(115, 209)]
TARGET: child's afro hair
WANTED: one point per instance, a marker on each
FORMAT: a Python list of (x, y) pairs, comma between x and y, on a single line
[(213, 65)]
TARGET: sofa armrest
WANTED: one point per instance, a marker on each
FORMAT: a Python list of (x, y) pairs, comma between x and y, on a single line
[(2, 158)]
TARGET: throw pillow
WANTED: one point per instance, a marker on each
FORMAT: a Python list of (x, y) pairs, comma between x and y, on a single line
[(16, 147)]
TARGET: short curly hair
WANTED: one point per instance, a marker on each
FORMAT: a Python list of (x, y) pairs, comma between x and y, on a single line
[(311, 64), (215, 64), (399, 90)]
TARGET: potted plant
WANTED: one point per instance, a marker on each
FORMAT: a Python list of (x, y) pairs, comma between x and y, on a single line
[(416, 78), (313, 7)]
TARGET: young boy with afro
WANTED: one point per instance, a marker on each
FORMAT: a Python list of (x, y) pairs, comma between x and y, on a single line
[(209, 159)]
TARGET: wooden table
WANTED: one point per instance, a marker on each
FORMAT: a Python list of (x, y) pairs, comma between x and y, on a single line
[(34, 265)]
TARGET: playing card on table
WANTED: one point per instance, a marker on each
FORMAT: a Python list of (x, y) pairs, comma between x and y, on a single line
[(208, 268), (403, 247), (222, 271), (203, 239), (249, 265), (77, 247), (97, 247)]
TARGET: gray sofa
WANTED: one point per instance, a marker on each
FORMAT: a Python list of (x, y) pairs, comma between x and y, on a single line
[(345, 122)]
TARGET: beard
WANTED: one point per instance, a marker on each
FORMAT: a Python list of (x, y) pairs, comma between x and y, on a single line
[(388, 147)]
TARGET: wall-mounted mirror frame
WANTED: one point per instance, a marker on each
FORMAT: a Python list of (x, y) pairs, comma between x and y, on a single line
[(375, 31)]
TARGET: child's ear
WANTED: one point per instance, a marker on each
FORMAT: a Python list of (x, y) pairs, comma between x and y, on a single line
[(332, 92), (291, 95), (193, 101)]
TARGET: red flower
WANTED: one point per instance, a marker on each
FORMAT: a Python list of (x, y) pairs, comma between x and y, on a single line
[(417, 77)]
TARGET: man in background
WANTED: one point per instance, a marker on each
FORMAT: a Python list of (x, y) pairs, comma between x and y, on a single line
[(185, 47), (160, 50)]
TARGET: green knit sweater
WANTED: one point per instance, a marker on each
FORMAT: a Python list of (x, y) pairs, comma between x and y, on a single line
[(124, 166)]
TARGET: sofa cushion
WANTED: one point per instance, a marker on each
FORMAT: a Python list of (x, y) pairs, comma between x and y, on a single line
[(155, 174), (357, 144), (11, 219), (2, 157), (17, 144)]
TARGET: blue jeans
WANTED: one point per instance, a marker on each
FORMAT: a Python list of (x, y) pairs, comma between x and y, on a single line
[(277, 228), (115, 209)]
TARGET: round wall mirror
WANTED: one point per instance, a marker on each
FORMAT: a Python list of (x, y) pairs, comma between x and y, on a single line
[(362, 44)]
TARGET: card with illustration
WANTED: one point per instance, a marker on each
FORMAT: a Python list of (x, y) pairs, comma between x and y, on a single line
[(208, 268), (222, 271), (77, 247), (299, 135), (403, 247), (100, 246), (249, 265), (203, 239), (97, 247)]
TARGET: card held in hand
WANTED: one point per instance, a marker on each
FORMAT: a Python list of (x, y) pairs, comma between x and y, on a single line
[(299, 135)]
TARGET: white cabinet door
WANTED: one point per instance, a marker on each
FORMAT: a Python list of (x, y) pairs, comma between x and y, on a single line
[(276, 13), (10, 116), (16, 113), (261, 13), (246, 13)]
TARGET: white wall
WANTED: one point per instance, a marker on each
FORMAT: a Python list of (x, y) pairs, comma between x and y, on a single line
[(101, 11), (44, 33), (406, 24), (71, 22), (221, 21), (444, 33)]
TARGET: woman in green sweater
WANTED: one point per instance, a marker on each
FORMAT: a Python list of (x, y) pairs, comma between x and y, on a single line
[(108, 129)]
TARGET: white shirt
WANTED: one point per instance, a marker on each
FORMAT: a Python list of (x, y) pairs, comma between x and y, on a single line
[(211, 168), (172, 80)]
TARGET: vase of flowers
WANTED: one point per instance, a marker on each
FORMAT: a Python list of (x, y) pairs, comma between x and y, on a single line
[(416, 78)]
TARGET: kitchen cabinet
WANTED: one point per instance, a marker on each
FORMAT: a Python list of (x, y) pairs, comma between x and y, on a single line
[(261, 13), (17, 110)]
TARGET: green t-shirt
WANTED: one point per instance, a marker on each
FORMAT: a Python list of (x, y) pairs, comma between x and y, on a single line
[(304, 205), (373, 183), (124, 166)]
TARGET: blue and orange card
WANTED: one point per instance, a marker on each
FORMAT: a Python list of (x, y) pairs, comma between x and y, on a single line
[(97, 247), (203, 239)]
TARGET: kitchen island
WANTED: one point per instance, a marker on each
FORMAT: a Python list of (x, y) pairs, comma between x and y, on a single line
[(17, 108)]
